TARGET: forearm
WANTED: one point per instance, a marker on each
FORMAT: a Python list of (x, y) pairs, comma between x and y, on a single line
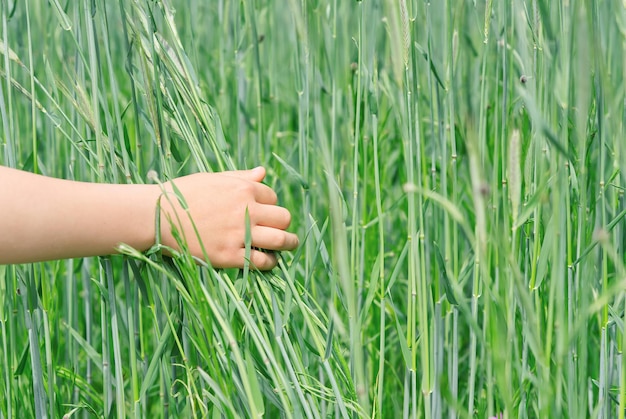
[(44, 218)]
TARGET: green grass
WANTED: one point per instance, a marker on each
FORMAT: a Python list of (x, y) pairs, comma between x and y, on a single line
[(455, 171)]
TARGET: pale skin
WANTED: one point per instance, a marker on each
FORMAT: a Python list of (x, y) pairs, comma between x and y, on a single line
[(43, 218)]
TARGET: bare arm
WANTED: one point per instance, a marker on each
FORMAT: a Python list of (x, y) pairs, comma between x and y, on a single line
[(43, 218)]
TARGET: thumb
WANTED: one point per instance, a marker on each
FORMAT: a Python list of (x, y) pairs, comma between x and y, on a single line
[(255, 175)]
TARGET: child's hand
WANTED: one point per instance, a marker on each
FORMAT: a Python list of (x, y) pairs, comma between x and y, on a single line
[(42, 218), (217, 204)]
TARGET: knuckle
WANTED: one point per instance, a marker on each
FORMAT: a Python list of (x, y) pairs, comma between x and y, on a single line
[(239, 215), (249, 188), (252, 211), (287, 217), (245, 189), (263, 261), (219, 259), (280, 240)]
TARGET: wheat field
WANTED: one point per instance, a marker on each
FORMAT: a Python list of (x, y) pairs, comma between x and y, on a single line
[(455, 171)]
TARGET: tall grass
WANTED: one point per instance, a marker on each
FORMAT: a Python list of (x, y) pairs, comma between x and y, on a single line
[(455, 174)]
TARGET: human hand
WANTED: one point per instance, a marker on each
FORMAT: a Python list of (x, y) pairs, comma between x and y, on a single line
[(217, 205)]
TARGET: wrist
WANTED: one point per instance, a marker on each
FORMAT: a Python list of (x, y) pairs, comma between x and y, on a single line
[(145, 216), (134, 206)]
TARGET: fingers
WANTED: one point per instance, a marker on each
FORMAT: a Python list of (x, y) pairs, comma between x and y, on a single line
[(268, 225), (263, 261), (273, 239), (270, 216), (260, 260), (264, 194), (255, 175)]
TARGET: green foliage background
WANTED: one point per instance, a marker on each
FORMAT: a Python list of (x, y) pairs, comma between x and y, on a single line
[(455, 170)]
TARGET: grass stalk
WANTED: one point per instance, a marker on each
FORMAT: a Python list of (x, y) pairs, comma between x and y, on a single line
[(33, 109), (115, 335), (380, 375)]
